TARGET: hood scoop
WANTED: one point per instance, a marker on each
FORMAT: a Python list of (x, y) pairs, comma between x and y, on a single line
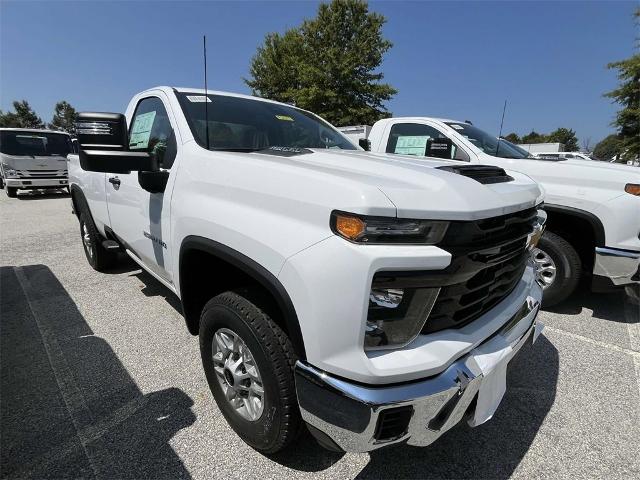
[(485, 174)]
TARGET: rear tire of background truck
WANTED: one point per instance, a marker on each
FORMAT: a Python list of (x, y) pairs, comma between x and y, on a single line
[(558, 267), (12, 192), (248, 361), (98, 257)]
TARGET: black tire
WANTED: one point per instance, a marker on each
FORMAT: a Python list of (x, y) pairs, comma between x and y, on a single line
[(12, 192), (98, 257), (1, 183), (568, 268), (271, 349)]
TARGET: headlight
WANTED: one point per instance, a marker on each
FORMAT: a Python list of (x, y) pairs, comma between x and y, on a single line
[(10, 172), (633, 189), (397, 311), (365, 229)]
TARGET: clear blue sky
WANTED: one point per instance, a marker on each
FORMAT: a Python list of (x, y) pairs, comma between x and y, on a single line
[(453, 59)]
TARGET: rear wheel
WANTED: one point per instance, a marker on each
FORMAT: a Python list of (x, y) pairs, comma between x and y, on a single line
[(248, 361), (98, 257), (12, 192), (558, 268)]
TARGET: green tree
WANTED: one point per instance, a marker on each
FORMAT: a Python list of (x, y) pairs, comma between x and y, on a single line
[(64, 117), (328, 65), (566, 136), (534, 137), (608, 147), (513, 138), (23, 117), (627, 120)]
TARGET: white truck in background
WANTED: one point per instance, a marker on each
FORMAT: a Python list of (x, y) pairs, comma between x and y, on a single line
[(593, 208), (363, 296), (33, 159)]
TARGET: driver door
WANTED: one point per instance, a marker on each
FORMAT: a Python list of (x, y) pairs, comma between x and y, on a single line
[(139, 218)]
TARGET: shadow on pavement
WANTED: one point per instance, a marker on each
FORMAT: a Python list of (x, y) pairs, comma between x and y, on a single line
[(492, 450), (607, 306), (69, 407)]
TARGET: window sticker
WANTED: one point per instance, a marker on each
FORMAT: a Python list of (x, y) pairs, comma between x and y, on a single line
[(285, 118), (141, 130), (412, 145), (198, 99), (457, 127)]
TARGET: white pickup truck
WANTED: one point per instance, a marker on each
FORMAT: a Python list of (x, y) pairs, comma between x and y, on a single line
[(377, 301), (593, 207)]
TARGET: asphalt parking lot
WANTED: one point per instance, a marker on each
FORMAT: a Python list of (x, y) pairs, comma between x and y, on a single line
[(100, 378)]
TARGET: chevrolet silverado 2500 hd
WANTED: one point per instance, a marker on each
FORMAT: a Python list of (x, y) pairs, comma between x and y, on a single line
[(376, 301), (33, 159), (593, 207)]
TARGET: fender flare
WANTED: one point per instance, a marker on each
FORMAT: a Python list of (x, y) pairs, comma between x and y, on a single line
[(78, 200), (596, 224), (254, 270)]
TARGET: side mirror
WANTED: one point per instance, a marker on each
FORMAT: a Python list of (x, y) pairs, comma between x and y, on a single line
[(439, 148), (365, 143), (103, 142), (102, 131)]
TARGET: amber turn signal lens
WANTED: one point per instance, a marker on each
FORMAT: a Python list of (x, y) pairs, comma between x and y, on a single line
[(633, 189), (349, 227)]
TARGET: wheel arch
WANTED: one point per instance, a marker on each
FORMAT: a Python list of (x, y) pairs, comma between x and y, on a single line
[(571, 223), (199, 254)]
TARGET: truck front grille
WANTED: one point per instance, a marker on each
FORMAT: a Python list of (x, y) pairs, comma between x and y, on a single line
[(42, 173), (488, 259)]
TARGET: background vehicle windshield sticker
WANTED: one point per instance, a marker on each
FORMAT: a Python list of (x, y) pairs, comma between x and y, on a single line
[(412, 145), (286, 118), (198, 99), (457, 127), (142, 130)]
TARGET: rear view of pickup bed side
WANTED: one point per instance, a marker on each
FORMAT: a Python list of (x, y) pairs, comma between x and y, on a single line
[(372, 299)]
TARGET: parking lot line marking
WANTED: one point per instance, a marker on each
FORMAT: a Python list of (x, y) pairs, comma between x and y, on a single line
[(610, 346), (71, 395)]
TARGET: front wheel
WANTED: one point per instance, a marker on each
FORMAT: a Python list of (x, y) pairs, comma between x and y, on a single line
[(12, 192), (98, 257), (558, 268), (248, 361)]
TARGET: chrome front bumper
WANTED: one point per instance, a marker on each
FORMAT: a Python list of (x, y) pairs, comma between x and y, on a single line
[(361, 418), (622, 267)]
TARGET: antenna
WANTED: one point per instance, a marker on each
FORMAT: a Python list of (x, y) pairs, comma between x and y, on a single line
[(501, 123), (206, 97)]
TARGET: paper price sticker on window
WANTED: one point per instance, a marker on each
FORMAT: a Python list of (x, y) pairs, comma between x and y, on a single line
[(285, 118), (411, 145), (141, 130)]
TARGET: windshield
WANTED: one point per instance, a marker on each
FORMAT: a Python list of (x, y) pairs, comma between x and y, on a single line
[(487, 143), (516, 148), (241, 124), (34, 143)]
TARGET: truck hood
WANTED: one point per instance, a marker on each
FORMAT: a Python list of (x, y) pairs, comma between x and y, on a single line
[(578, 173), (415, 187), (37, 162)]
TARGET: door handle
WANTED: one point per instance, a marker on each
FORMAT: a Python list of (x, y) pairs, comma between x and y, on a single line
[(115, 181)]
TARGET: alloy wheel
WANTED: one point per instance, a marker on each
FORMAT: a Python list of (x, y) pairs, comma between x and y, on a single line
[(545, 267), (238, 374)]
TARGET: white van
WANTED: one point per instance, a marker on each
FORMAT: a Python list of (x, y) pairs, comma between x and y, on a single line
[(33, 159)]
